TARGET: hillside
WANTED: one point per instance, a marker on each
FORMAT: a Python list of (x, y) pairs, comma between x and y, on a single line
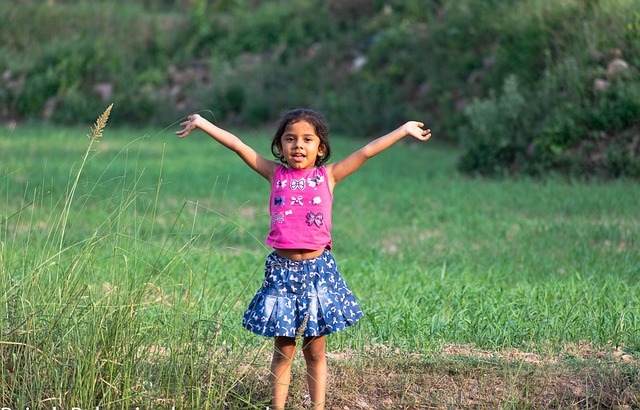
[(525, 87)]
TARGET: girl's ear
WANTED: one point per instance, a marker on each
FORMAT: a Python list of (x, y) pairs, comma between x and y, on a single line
[(321, 150)]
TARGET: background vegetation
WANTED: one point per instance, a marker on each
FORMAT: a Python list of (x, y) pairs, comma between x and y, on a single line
[(524, 86), (125, 266), (126, 263)]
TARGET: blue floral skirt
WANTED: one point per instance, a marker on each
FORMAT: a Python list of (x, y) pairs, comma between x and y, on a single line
[(301, 298)]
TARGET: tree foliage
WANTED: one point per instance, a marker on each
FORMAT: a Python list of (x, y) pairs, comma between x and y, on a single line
[(525, 86)]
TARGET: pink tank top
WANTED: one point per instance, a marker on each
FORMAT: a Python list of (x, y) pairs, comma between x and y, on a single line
[(300, 209)]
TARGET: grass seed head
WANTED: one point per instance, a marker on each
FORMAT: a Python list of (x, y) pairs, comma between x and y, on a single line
[(101, 123), (303, 327)]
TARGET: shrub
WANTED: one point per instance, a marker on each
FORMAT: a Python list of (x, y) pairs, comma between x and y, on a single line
[(369, 65), (592, 133), (498, 133), (580, 118)]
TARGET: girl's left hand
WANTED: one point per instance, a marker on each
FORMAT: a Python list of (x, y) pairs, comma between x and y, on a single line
[(415, 129), (189, 125)]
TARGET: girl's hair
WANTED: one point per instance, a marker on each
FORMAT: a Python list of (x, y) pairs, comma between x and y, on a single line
[(315, 119)]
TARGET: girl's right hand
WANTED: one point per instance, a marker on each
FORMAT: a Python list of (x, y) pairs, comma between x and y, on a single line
[(415, 129), (189, 125)]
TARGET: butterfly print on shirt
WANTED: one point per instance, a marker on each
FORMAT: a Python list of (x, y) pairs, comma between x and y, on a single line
[(278, 201), (300, 184), (314, 219), (296, 200), (315, 181), (279, 217)]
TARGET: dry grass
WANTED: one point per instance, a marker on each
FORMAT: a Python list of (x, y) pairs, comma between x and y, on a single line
[(100, 124), (463, 377)]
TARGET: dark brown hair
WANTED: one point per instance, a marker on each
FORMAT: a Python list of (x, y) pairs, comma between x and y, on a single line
[(315, 119)]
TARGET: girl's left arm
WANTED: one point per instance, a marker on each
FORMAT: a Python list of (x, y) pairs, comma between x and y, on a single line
[(342, 169)]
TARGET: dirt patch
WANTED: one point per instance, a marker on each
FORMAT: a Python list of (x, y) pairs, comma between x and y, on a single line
[(465, 377)]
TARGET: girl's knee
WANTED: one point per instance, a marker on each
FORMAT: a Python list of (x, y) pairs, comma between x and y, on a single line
[(314, 356), (281, 358), (284, 349), (314, 350)]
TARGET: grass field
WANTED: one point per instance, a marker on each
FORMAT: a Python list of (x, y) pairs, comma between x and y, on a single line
[(123, 279)]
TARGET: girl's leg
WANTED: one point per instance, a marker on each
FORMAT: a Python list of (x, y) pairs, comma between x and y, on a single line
[(284, 348), (314, 354)]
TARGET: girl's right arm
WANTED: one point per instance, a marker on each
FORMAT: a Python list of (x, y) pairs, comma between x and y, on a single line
[(257, 162)]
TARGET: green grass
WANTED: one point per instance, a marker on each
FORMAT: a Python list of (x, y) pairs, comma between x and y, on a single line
[(128, 289)]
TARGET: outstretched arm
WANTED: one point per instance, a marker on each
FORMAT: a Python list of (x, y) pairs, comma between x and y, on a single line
[(342, 169), (257, 162)]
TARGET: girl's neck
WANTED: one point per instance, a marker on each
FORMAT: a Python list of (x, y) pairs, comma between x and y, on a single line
[(300, 169)]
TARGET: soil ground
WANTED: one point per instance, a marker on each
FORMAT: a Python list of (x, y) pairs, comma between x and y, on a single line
[(463, 377)]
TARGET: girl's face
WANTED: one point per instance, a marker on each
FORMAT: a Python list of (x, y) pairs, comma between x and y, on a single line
[(300, 146)]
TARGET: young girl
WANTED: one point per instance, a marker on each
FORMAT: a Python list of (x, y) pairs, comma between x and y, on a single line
[(303, 293)]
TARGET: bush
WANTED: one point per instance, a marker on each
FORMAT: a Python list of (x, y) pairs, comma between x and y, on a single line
[(499, 132), (581, 117), (369, 65), (593, 134)]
